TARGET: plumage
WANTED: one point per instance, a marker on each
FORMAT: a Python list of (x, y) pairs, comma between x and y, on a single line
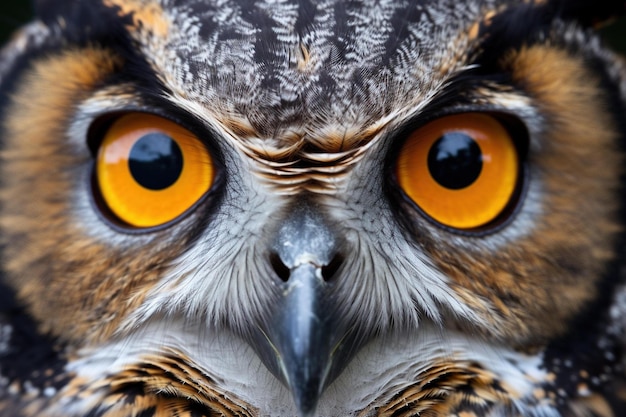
[(312, 208)]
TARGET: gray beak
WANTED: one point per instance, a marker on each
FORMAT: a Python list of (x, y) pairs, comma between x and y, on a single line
[(305, 341), (304, 337)]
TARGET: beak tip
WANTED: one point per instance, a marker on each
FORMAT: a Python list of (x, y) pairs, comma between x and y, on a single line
[(306, 401), (306, 385)]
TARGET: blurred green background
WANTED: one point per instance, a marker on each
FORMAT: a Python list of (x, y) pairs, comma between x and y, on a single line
[(14, 12)]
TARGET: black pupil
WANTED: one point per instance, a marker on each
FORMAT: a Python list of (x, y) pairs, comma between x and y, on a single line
[(455, 160), (155, 161)]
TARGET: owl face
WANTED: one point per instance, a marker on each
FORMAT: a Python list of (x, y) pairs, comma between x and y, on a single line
[(312, 208)]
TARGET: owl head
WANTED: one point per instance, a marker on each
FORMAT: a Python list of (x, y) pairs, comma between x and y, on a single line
[(370, 208)]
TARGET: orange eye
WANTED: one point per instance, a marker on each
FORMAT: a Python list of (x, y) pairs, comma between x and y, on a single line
[(150, 170), (461, 170)]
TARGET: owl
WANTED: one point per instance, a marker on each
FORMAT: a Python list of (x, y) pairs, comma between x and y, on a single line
[(313, 208)]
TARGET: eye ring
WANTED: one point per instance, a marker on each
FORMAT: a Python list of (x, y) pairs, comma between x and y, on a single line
[(464, 172), (149, 171)]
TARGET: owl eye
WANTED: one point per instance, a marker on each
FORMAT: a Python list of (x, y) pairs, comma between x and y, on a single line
[(149, 170), (463, 171)]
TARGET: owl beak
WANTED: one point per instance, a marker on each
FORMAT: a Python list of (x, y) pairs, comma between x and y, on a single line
[(303, 337), (304, 341)]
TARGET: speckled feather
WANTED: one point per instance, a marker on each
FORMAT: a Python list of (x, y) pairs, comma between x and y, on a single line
[(303, 105)]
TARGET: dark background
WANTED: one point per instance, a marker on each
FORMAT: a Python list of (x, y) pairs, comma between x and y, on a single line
[(15, 12), (12, 15)]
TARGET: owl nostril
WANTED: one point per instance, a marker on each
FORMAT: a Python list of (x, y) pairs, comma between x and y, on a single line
[(330, 271), (280, 268), (284, 272)]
